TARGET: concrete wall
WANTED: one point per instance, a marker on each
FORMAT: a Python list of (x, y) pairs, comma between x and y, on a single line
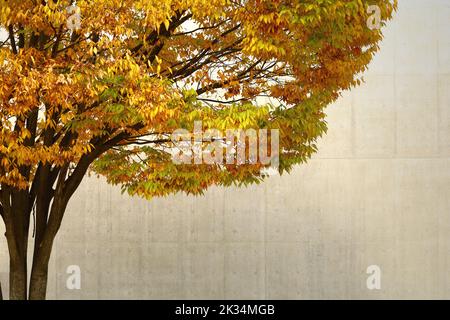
[(377, 193)]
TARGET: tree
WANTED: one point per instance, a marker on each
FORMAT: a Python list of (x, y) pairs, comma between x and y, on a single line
[(102, 87)]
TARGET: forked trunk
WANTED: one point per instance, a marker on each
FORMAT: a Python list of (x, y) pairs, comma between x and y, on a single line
[(47, 225), (49, 194)]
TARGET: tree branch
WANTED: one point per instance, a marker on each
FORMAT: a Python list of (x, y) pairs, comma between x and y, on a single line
[(12, 39)]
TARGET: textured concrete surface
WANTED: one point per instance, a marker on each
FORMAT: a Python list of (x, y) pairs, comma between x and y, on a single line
[(377, 193)]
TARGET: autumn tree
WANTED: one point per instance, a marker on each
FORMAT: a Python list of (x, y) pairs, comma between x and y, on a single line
[(105, 95)]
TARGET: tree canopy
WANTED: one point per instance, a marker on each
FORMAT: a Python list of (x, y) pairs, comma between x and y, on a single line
[(111, 91)]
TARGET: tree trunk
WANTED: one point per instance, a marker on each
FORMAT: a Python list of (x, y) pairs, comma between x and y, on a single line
[(17, 235), (39, 272), (41, 258), (17, 281), (38, 285), (15, 209)]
